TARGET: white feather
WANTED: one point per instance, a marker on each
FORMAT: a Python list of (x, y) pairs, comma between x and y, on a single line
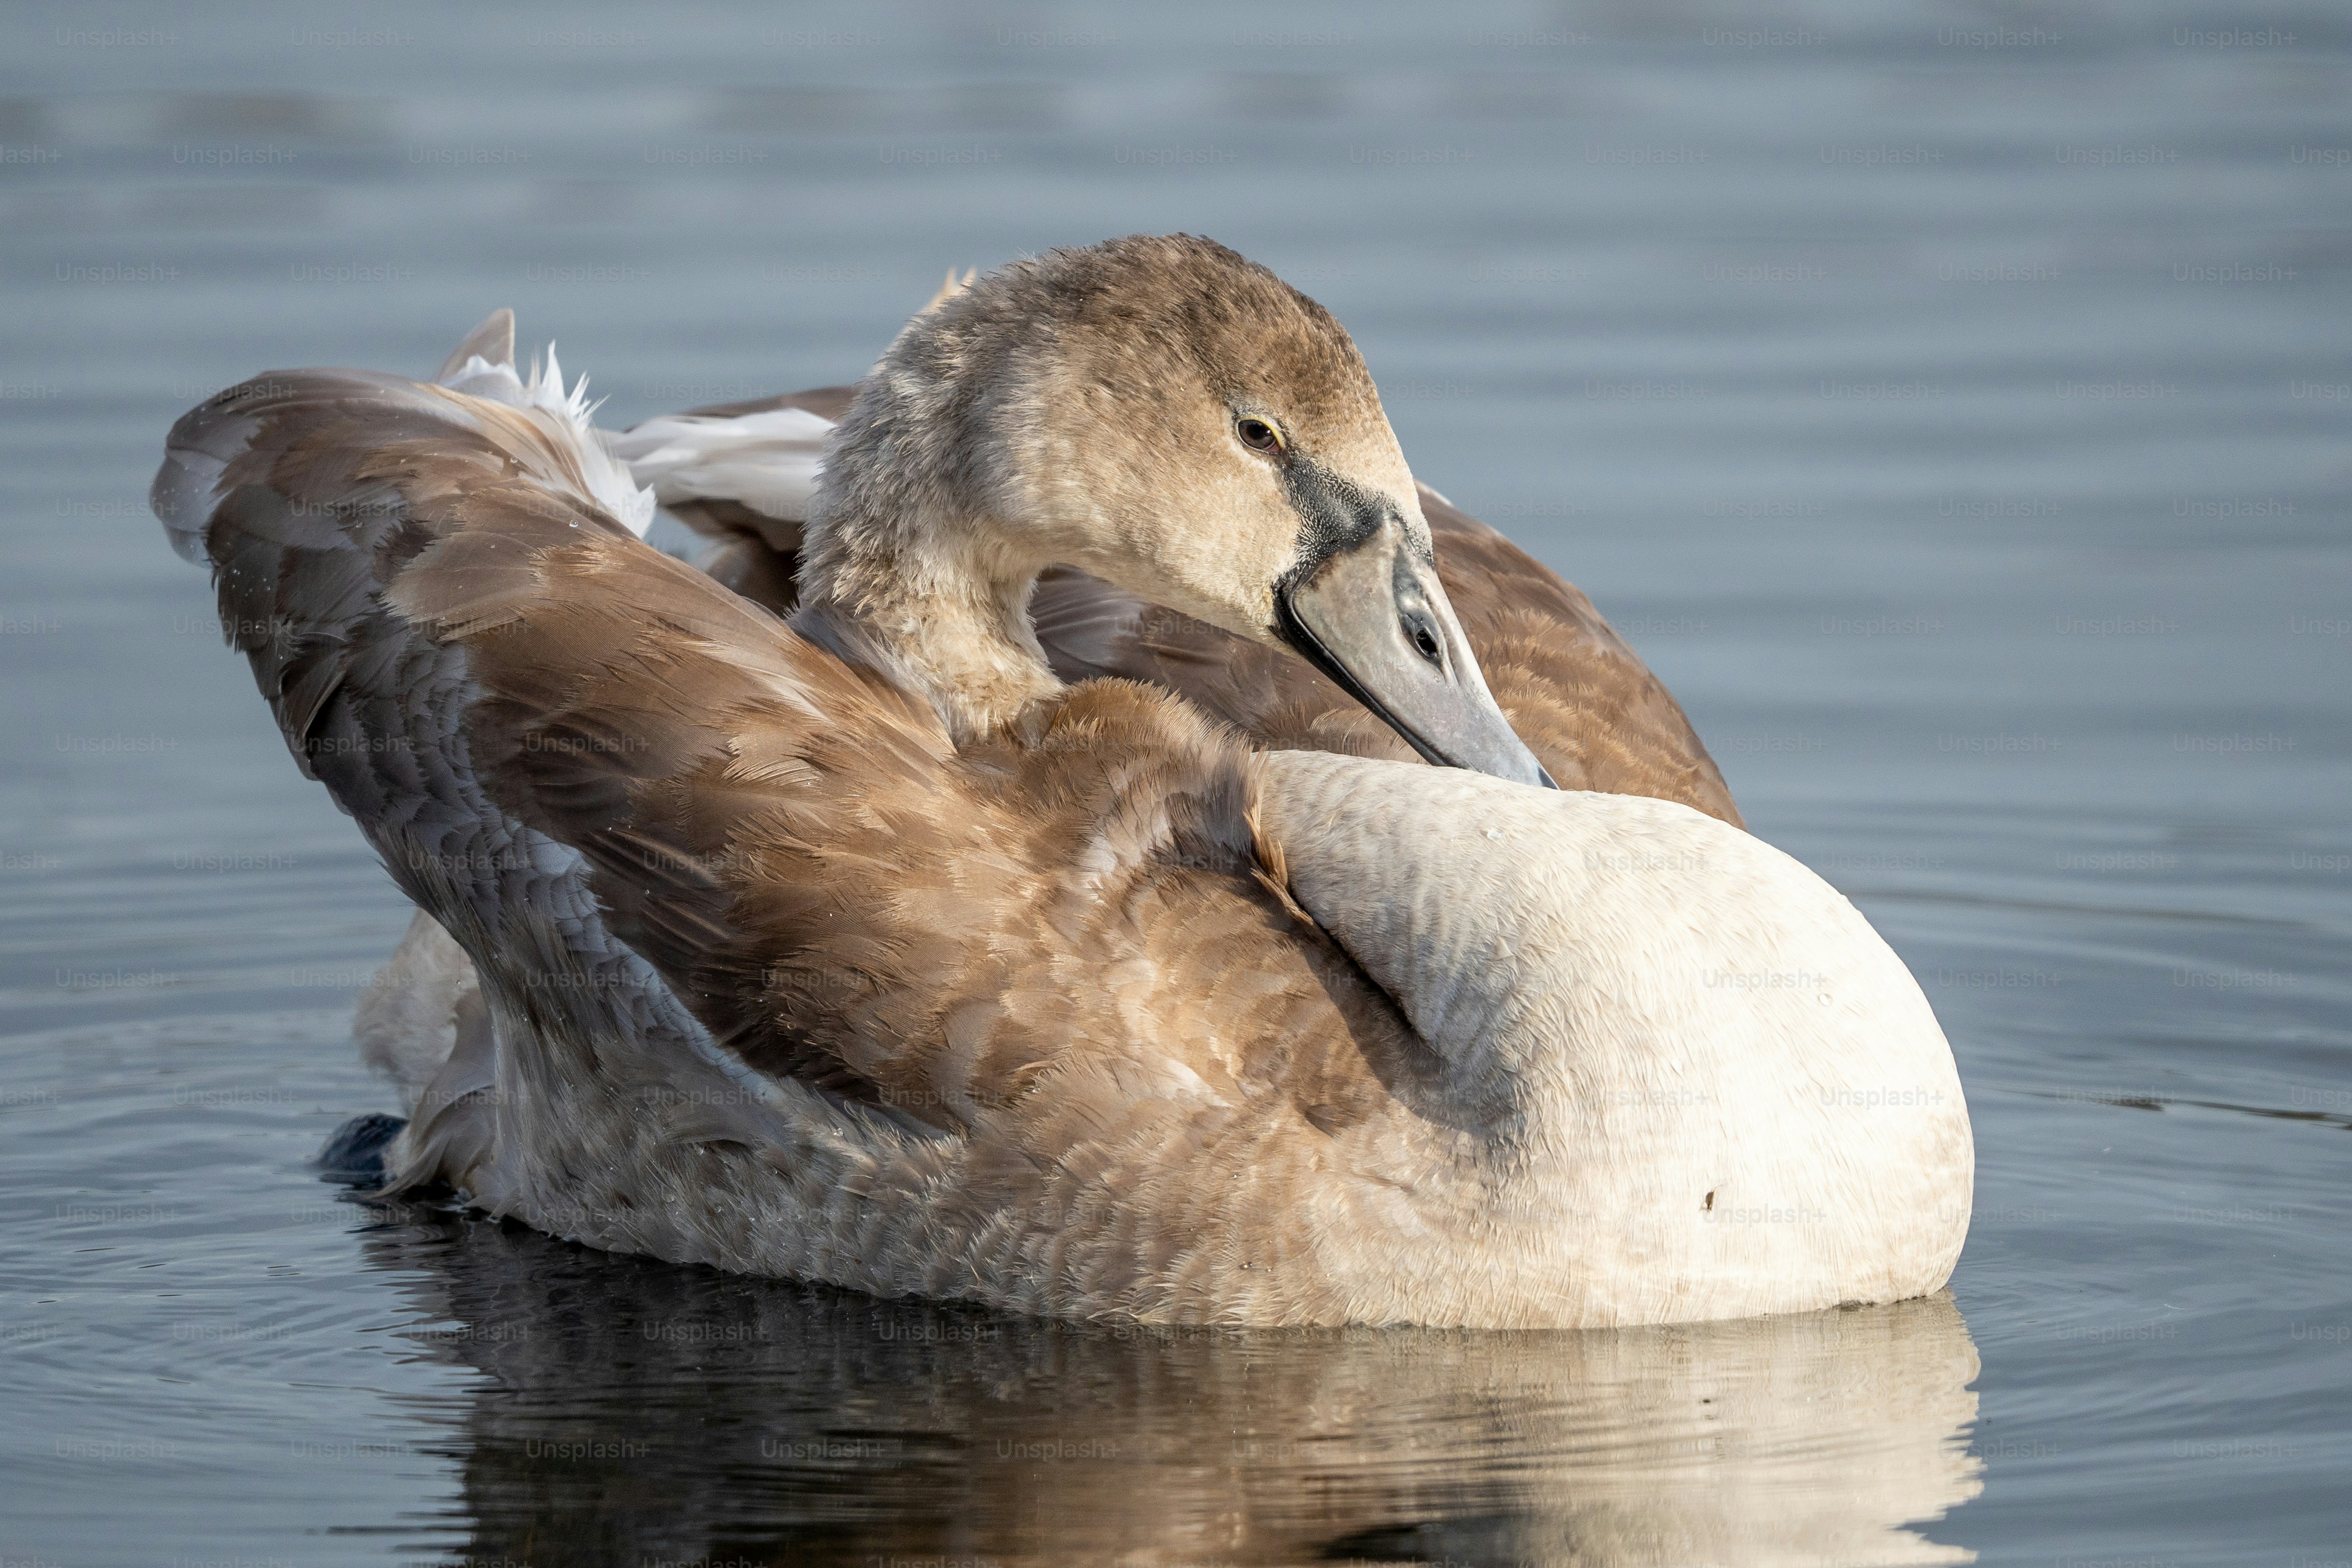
[(768, 462), (567, 415)]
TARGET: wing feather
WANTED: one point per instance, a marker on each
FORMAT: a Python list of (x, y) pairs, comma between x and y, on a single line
[(504, 686)]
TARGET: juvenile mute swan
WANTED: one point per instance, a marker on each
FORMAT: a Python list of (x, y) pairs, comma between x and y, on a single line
[(860, 947)]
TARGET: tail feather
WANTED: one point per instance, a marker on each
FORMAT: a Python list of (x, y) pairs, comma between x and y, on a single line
[(412, 1015)]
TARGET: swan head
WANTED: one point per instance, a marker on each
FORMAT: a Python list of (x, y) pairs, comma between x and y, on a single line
[(1177, 421)]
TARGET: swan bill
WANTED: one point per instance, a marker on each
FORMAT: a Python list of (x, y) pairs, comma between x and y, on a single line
[(1374, 617)]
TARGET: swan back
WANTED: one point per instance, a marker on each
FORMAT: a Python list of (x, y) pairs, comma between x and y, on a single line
[(1707, 1084)]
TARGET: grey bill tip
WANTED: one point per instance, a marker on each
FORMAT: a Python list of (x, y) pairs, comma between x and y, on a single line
[(1376, 620)]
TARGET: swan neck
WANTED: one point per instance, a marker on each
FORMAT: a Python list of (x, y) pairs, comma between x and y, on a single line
[(939, 604)]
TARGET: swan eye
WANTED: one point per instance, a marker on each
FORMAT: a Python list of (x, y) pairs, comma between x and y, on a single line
[(1258, 435)]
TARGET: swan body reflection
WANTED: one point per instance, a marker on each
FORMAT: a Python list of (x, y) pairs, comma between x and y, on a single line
[(638, 1412)]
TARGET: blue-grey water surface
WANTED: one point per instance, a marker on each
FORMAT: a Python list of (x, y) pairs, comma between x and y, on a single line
[(1951, 403)]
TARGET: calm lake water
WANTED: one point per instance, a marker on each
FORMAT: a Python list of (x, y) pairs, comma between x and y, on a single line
[(1951, 403)]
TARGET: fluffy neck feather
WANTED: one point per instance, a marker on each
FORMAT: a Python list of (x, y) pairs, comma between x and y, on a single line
[(923, 544), (933, 599)]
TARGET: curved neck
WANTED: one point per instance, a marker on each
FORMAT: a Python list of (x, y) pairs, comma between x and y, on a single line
[(939, 603)]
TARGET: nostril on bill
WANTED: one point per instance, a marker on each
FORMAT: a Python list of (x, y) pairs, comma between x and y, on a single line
[(1423, 639)]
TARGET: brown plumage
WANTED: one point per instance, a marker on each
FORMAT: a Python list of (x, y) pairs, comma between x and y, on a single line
[(860, 946)]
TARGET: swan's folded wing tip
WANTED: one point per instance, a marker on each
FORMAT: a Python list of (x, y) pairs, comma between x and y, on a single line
[(492, 342)]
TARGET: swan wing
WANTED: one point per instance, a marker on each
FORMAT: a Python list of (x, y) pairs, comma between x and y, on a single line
[(1579, 697), (735, 481), (638, 801)]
